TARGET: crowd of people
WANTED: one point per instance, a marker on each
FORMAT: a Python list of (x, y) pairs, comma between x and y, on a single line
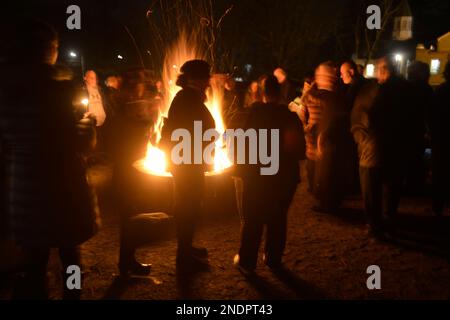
[(371, 136), (355, 135), (367, 136)]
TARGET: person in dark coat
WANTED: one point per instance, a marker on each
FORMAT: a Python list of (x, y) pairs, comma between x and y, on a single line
[(130, 134), (333, 141), (369, 155), (186, 108), (421, 93), (113, 84), (353, 81), (377, 118), (439, 114), (288, 88), (49, 201), (392, 103), (266, 198)]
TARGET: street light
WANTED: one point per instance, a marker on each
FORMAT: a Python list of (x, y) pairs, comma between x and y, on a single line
[(119, 57), (73, 55), (398, 57)]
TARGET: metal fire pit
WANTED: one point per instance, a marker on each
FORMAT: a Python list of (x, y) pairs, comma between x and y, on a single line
[(157, 191)]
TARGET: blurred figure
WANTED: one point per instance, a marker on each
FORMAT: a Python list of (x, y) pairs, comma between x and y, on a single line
[(287, 88), (112, 84), (230, 96), (361, 69), (353, 82), (237, 120), (421, 93), (230, 99), (97, 106), (160, 93), (333, 141), (49, 202), (310, 115), (440, 136), (378, 113), (252, 95), (130, 131), (392, 106), (96, 100), (296, 105), (348, 71), (188, 106), (266, 199)]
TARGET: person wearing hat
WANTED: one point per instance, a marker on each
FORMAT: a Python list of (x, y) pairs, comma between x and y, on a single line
[(186, 108)]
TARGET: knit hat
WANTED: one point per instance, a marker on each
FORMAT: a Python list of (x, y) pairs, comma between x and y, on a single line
[(196, 69)]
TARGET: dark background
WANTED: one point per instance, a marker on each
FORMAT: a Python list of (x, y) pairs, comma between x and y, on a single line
[(294, 34)]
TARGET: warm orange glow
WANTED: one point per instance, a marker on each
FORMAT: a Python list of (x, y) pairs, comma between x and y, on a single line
[(183, 50), (155, 161), (221, 160)]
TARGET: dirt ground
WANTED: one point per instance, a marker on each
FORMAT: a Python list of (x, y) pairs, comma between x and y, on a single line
[(327, 257)]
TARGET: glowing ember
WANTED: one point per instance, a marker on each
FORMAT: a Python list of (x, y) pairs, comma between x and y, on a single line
[(155, 162)]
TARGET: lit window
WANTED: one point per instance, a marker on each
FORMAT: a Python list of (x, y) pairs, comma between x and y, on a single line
[(370, 70), (435, 66)]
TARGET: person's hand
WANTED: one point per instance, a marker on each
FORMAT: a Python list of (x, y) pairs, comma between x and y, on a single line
[(86, 126), (90, 115), (86, 132)]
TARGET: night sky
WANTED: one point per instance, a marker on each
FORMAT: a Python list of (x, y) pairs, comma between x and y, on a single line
[(103, 34)]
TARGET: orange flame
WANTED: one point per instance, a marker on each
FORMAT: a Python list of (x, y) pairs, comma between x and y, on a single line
[(185, 49)]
